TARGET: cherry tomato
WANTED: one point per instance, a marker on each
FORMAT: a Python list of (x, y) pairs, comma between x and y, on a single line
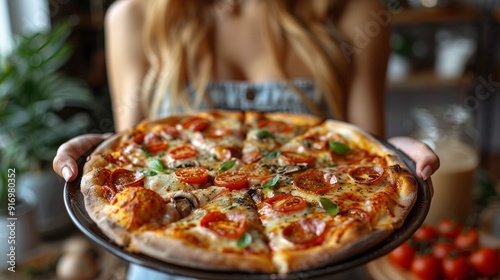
[(426, 233), (192, 175), (315, 181), (402, 255), (467, 239), (366, 174), (426, 267), (441, 250), (455, 267), (296, 158), (251, 156), (196, 124), (306, 232), (485, 261), (122, 178), (286, 203), (233, 180), (183, 152), (230, 225), (449, 228)]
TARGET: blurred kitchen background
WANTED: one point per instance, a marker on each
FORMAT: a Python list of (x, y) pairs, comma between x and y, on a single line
[(444, 75)]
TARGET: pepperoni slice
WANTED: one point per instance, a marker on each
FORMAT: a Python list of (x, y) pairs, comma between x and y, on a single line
[(233, 180), (122, 178), (230, 225), (316, 181), (306, 232), (192, 175), (296, 158), (286, 203), (275, 126), (367, 174), (351, 157), (183, 152), (196, 124)]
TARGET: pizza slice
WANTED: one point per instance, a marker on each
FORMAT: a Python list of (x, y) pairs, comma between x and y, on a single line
[(225, 234)]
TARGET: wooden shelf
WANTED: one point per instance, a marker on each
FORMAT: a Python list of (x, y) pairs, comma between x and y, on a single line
[(409, 16), (428, 79)]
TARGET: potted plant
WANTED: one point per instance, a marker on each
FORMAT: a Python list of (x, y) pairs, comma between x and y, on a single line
[(34, 94)]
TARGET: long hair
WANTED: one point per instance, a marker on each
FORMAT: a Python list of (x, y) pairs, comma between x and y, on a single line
[(178, 46)]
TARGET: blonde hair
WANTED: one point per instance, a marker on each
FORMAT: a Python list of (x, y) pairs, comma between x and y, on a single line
[(177, 44)]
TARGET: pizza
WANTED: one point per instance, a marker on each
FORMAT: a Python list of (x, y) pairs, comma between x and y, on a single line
[(247, 191)]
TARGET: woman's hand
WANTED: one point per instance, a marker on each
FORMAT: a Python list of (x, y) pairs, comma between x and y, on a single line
[(64, 162), (427, 162)]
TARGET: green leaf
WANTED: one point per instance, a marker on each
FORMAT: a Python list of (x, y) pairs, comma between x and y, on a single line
[(244, 241), (331, 207), (263, 133), (156, 164), (272, 155), (225, 166), (148, 172), (144, 148), (271, 183), (338, 147)]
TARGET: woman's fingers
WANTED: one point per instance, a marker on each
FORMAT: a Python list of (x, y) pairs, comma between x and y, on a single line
[(64, 162), (427, 162)]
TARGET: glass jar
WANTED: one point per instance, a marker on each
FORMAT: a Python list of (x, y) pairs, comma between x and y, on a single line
[(450, 132)]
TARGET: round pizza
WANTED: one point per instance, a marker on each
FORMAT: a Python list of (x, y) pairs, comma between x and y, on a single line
[(247, 191)]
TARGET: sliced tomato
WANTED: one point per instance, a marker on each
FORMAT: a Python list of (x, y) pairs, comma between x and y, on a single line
[(276, 126), (286, 203), (296, 158), (315, 181), (138, 138), (154, 142), (306, 232), (233, 180), (367, 174), (122, 178), (192, 175), (183, 152), (230, 225), (221, 153), (196, 124)]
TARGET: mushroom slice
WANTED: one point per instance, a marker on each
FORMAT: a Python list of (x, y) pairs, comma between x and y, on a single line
[(185, 203), (291, 168)]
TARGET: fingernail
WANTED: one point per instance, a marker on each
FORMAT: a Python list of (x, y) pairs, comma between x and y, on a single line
[(426, 172), (66, 173)]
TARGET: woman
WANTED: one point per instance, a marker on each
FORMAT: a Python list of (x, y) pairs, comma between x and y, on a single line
[(167, 56)]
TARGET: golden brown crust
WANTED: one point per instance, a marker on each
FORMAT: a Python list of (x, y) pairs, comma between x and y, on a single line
[(177, 251)]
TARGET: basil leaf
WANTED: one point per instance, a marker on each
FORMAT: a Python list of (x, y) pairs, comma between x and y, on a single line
[(338, 147), (244, 241), (271, 183), (225, 166), (272, 155), (144, 148), (330, 165), (156, 164), (148, 172), (263, 133), (331, 207)]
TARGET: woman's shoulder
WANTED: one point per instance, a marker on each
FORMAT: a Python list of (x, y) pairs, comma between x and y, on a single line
[(122, 10)]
